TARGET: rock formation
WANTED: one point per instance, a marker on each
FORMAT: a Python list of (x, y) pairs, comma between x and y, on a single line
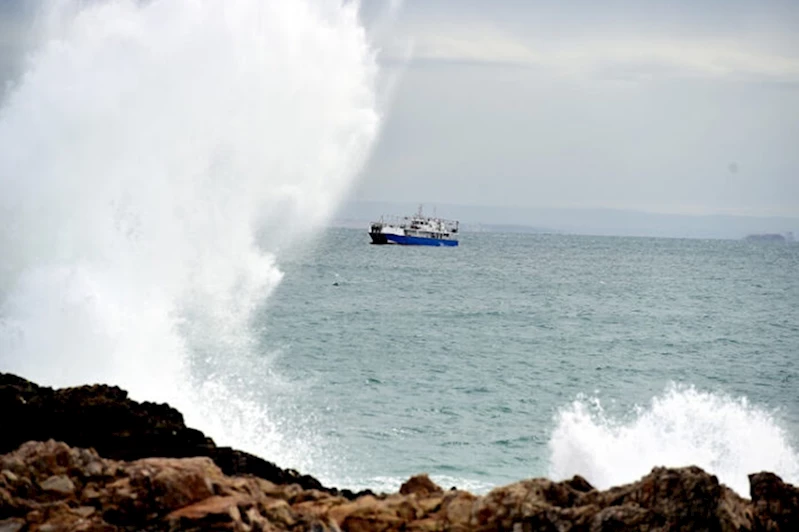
[(48, 485), (105, 419)]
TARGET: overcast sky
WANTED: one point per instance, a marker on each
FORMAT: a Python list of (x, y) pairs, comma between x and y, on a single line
[(683, 106)]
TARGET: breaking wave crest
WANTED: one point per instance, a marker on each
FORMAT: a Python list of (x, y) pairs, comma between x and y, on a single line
[(726, 436)]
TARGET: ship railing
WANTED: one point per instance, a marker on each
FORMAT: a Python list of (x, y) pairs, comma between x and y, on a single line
[(442, 223), (394, 220)]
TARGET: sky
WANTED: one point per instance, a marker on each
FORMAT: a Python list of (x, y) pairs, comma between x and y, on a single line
[(682, 107), (687, 107)]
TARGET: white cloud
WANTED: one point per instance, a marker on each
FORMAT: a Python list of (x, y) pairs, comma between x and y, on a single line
[(631, 57)]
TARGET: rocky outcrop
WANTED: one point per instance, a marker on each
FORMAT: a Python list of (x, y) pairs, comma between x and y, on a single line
[(135, 466), (106, 419), (49, 486), (775, 504)]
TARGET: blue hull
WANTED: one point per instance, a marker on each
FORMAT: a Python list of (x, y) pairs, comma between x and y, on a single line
[(419, 241)]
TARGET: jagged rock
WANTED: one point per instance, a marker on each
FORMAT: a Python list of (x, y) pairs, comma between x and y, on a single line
[(146, 494), (421, 485), (14, 524), (50, 486), (106, 419), (59, 484), (680, 499), (775, 503), (194, 494)]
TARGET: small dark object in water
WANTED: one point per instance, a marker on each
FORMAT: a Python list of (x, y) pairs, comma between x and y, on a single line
[(335, 284)]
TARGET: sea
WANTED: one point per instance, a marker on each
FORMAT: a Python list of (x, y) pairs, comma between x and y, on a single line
[(168, 173), (523, 355)]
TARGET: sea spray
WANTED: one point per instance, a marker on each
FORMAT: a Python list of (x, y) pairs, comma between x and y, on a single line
[(153, 156), (726, 436)]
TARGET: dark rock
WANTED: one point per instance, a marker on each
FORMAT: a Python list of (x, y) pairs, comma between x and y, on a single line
[(193, 494), (685, 498), (578, 483), (106, 419), (421, 485), (165, 476), (775, 503)]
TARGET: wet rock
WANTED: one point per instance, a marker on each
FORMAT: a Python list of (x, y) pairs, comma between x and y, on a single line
[(194, 494), (679, 499), (147, 494), (421, 485), (578, 483), (106, 419), (775, 503), (49, 485)]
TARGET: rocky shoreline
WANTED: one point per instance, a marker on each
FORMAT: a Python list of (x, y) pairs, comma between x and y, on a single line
[(106, 419), (90, 459)]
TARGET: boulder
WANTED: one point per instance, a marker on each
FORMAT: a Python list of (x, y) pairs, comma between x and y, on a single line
[(775, 504), (421, 485)]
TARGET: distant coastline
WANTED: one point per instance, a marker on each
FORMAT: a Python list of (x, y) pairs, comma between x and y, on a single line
[(770, 237), (580, 221), (466, 227)]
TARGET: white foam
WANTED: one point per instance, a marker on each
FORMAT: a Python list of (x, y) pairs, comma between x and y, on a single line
[(386, 484), (143, 150), (726, 436)]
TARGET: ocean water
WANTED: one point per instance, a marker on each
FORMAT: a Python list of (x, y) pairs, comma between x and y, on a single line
[(518, 355), (167, 169)]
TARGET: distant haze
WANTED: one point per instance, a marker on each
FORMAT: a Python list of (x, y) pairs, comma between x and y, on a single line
[(672, 107)]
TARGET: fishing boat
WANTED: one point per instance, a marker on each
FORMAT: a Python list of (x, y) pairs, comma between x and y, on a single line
[(416, 230)]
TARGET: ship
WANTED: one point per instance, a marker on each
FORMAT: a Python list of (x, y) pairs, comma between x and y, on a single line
[(416, 230)]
